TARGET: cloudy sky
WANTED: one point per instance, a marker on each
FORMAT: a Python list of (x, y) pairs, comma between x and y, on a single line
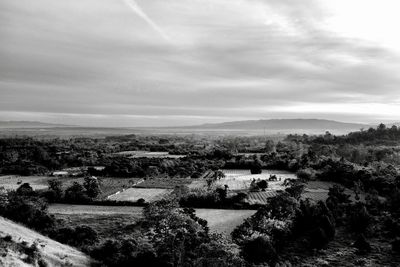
[(179, 62)]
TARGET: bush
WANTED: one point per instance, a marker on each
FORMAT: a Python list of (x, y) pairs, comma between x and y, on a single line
[(259, 250), (31, 211), (360, 220), (295, 190), (76, 194), (78, 237), (362, 245), (315, 222), (25, 190), (306, 174), (396, 245)]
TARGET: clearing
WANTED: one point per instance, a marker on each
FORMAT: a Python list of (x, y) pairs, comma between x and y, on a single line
[(318, 190), (166, 183), (147, 154), (134, 194)]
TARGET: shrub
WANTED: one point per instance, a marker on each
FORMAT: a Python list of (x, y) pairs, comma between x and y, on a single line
[(76, 194), (77, 237), (25, 190), (362, 245), (315, 222), (259, 250), (360, 220), (306, 174), (31, 211)]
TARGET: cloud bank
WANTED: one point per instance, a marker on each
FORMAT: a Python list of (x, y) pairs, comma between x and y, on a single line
[(177, 62)]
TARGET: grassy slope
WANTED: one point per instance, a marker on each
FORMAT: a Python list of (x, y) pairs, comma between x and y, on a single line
[(55, 253)]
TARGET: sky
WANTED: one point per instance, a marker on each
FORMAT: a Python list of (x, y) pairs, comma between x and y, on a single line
[(186, 62)]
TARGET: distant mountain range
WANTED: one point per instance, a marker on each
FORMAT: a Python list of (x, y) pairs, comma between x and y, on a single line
[(29, 124), (272, 126), (284, 125)]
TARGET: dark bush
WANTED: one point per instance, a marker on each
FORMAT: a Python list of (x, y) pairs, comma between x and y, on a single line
[(259, 250), (359, 218), (362, 245)]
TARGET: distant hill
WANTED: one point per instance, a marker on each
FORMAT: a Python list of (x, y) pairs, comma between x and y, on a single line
[(284, 125), (29, 124), (248, 127)]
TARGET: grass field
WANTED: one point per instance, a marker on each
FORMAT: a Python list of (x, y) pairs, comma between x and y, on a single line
[(133, 194), (166, 183), (108, 185), (148, 154), (223, 221), (318, 190), (113, 219), (12, 182)]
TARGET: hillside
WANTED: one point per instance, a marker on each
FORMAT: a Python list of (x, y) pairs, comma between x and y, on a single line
[(54, 253)]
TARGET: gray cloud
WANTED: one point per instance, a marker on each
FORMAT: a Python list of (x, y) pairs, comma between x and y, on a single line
[(97, 62)]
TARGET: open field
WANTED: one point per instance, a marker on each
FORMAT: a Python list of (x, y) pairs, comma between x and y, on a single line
[(261, 197), (109, 185), (12, 182), (167, 183), (134, 194), (112, 217), (93, 209), (147, 154), (223, 221), (318, 190)]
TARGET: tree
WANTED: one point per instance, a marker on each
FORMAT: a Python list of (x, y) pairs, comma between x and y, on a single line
[(175, 233), (263, 184), (219, 174), (76, 193), (29, 210), (25, 190), (269, 146), (256, 167), (92, 186), (55, 186)]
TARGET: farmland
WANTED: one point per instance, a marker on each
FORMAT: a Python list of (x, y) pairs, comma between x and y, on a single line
[(134, 194), (310, 228), (147, 154), (318, 190), (110, 218), (167, 183), (241, 179), (12, 182), (260, 197), (108, 185)]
